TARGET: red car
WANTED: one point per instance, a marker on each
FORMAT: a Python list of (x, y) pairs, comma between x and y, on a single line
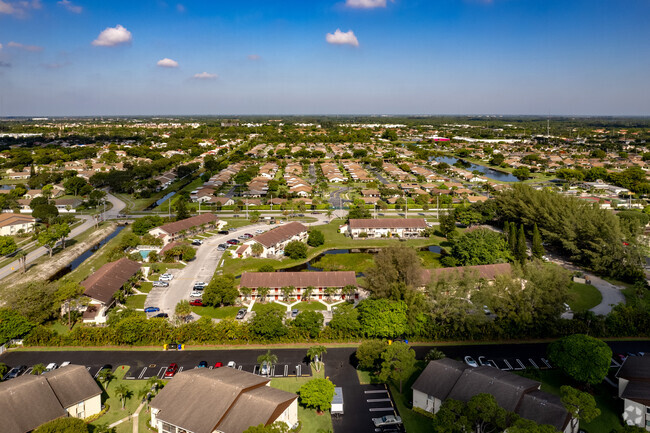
[(218, 364), (171, 370), (196, 303)]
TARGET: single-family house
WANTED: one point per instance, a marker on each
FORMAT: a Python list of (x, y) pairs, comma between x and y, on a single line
[(224, 400), (29, 401), (102, 285), (634, 390), (450, 379)]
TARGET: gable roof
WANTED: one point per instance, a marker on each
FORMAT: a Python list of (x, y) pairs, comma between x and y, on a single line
[(188, 223), (108, 279), (10, 219), (635, 367), (438, 378), (280, 234), (29, 401), (298, 279), (203, 400), (544, 408), (391, 223), (486, 272)]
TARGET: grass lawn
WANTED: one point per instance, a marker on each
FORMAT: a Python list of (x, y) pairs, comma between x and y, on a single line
[(610, 407), (429, 260), (58, 327), (366, 377), (310, 306), (582, 297), (216, 312), (116, 412), (311, 421), (357, 262), (145, 287), (136, 301)]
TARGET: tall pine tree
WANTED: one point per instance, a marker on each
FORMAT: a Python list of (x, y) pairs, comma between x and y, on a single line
[(506, 231), (512, 238), (537, 248), (520, 254)]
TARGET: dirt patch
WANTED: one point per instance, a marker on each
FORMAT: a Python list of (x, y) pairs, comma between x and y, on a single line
[(44, 268)]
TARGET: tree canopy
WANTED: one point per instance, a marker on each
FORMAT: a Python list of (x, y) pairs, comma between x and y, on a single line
[(480, 247), (581, 357), (317, 393)]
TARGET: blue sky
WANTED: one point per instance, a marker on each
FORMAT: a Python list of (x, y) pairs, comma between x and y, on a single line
[(82, 57)]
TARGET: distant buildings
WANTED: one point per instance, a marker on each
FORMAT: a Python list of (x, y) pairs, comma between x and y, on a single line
[(385, 227), (328, 284), (274, 241), (178, 230), (14, 223)]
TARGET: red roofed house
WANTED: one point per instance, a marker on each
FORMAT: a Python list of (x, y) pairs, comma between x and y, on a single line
[(103, 284), (385, 227), (320, 281), (179, 229)]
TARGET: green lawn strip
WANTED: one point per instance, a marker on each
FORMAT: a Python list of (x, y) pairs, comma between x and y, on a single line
[(145, 287), (311, 421), (216, 312), (357, 262), (259, 305), (367, 377), (116, 412), (429, 259), (413, 422), (582, 297), (310, 306), (136, 301), (235, 223), (195, 184)]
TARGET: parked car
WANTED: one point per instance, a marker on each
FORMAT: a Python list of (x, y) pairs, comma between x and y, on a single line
[(233, 242), (196, 302), (162, 315), (196, 294), (470, 361), (106, 367), (231, 364), (567, 308), (200, 285), (151, 309), (15, 372), (248, 235), (486, 310), (197, 242), (171, 370), (223, 232), (619, 357), (265, 369), (222, 247), (64, 364), (160, 284), (202, 364), (242, 237), (387, 420), (483, 361), (51, 366), (166, 277), (294, 312), (218, 364), (259, 231), (241, 313)]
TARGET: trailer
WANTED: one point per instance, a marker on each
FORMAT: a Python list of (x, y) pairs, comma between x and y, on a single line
[(337, 401)]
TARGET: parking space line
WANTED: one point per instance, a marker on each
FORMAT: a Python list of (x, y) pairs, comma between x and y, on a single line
[(375, 391), (142, 373), (508, 364), (239, 367), (286, 370), (29, 370), (533, 363), (161, 372), (523, 367), (381, 409), (547, 363), (377, 400)]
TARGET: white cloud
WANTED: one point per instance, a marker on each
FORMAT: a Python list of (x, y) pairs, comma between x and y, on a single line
[(205, 76), (342, 38), (167, 63), (0, 46), (253, 57), (32, 48), (19, 8), (180, 8), (71, 7), (365, 4), (112, 36)]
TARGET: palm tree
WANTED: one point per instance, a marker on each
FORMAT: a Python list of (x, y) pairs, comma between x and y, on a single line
[(38, 369), (257, 249), (270, 360), (329, 214), (246, 291), (316, 351), (287, 292), (22, 259), (105, 376), (123, 393), (306, 294), (263, 292), (183, 309)]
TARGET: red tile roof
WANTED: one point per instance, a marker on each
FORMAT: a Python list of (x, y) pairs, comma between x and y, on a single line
[(186, 224), (298, 279), (280, 234), (487, 272), (392, 223)]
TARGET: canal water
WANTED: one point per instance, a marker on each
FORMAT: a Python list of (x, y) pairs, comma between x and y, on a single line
[(486, 171), (82, 258)]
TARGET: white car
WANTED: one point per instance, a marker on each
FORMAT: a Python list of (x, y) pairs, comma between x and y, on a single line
[(387, 420), (231, 364), (470, 361), (196, 294), (259, 231), (200, 285), (166, 277), (64, 364), (51, 366)]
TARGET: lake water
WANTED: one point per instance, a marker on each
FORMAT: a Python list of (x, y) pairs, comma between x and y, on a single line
[(79, 260), (486, 171)]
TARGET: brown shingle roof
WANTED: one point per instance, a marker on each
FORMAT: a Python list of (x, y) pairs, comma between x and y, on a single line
[(391, 223), (635, 367), (108, 279), (487, 272), (298, 279), (188, 223), (9, 219), (280, 234), (72, 384), (438, 378), (202, 400)]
